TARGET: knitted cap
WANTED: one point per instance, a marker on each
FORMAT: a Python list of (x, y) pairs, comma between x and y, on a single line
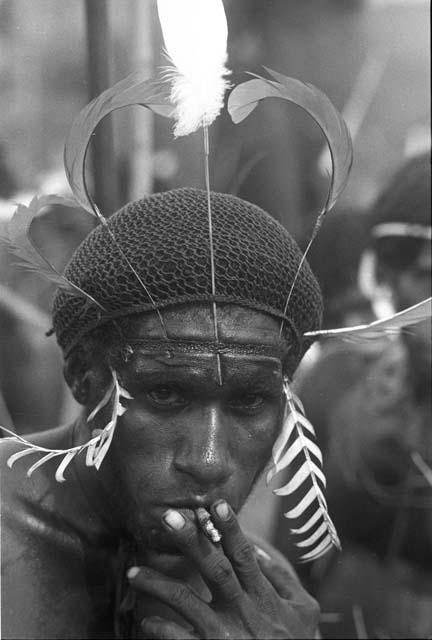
[(166, 238)]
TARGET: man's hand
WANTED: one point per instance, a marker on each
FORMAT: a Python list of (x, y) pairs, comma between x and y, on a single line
[(252, 596)]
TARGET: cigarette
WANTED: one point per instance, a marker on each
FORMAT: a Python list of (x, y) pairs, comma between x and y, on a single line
[(205, 521)]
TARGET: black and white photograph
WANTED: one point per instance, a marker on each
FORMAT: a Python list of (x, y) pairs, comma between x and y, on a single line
[(215, 319)]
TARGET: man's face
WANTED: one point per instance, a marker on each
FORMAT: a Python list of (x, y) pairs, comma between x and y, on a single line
[(185, 439)]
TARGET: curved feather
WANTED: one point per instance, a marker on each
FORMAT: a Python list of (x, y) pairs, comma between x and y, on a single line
[(412, 315), (132, 90), (244, 98), (20, 244), (20, 454), (135, 89), (63, 464), (40, 462), (314, 530)]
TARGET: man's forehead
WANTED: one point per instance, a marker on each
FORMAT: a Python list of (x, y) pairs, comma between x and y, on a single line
[(240, 330), (202, 366)]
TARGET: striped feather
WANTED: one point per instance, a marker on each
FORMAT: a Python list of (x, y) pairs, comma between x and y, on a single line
[(296, 447), (96, 448), (40, 462), (63, 464), (16, 456)]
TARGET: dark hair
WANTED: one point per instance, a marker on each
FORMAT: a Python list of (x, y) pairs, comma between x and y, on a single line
[(407, 197)]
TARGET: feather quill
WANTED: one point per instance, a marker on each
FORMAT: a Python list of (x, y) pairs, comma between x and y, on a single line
[(410, 316), (195, 33), (296, 446), (97, 447)]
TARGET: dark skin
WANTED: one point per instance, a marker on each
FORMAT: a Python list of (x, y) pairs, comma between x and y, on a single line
[(186, 441)]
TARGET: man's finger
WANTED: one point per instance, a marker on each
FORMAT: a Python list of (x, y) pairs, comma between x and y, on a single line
[(215, 568), (160, 629), (174, 593), (237, 548), (287, 584)]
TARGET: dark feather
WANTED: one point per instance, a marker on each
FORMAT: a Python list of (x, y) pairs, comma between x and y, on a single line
[(20, 244), (135, 89), (245, 98)]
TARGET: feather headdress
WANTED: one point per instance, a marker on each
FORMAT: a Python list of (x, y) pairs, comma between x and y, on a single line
[(195, 35)]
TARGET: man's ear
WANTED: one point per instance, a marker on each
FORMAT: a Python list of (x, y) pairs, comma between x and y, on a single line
[(76, 371), (86, 376)]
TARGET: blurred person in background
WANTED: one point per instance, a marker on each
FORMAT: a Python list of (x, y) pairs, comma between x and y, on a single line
[(372, 410)]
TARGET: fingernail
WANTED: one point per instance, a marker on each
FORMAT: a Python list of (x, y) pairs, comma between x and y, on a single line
[(222, 510), (151, 620), (132, 573), (174, 519)]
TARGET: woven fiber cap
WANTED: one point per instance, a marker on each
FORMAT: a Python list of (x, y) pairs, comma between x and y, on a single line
[(166, 238)]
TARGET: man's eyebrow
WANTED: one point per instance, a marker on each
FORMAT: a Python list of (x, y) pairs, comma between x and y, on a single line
[(264, 370), (243, 368), (145, 365)]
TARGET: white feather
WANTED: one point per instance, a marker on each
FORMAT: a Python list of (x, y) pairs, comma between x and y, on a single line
[(195, 34), (305, 482), (412, 315), (97, 447)]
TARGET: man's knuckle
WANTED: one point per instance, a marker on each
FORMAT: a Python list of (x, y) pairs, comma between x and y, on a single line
[(180, 595), (309, 610), (222, 571), (315, 609), (188, 536), (242, 553)]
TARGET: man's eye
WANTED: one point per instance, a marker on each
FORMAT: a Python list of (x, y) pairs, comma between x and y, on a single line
[(248, 401), (165, 396)]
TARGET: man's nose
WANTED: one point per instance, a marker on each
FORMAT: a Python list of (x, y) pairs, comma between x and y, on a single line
[(204, 452)]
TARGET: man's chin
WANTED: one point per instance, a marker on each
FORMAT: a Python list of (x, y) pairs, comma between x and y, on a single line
[(162, 557), (155, 542)]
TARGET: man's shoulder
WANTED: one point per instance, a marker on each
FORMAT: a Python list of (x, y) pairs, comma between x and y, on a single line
[(13, 469), (44, 594)]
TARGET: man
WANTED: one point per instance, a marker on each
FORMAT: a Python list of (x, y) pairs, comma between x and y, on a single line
[(118, 549), (371, 406)]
